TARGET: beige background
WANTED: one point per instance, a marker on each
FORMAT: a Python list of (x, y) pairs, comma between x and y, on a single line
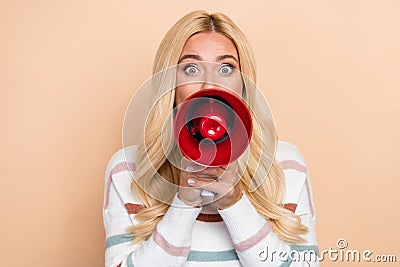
[(329, 69)]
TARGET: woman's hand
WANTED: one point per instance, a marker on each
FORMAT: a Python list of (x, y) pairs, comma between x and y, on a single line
[(189, 195), (222, 181)]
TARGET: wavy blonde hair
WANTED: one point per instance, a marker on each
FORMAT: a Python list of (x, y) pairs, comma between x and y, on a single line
[(261, 171)]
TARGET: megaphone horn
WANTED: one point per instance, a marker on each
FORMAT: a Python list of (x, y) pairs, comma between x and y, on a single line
[(213, 127)]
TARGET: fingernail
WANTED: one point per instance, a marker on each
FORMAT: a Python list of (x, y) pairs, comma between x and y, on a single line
[(190, 181), (189, 168)]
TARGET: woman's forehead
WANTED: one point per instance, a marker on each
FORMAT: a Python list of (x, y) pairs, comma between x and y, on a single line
[(209, 46)]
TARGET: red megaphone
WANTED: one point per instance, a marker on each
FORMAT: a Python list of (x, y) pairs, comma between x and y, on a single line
[(213, 127)]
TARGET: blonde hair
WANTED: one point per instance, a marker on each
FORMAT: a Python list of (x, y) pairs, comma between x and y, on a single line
[(261, 172)]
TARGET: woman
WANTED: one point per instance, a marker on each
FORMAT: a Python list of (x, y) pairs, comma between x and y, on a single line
[(262, 212)]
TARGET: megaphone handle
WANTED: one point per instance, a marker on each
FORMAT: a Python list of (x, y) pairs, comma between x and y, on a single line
[(206, 193)]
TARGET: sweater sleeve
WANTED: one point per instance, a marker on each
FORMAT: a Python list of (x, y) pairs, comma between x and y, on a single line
[(257, 245), (169, 244)]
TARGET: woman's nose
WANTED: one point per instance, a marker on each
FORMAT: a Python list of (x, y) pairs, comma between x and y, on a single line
[(207, 85)]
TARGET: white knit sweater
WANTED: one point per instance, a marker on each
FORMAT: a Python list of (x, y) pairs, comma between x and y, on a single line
[(236, 236)]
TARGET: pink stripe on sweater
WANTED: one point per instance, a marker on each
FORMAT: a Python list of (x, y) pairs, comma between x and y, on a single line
[(134, 208), (120, 167), (290, 206), (168, 247), (255, 239), (292, 164)]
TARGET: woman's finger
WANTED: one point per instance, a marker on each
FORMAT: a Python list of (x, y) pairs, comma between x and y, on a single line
[(230, 174), (199, 170), (191, 166), (216, 186)]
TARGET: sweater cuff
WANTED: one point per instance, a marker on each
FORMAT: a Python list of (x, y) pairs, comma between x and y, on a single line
[(242, 219), (179, 218)]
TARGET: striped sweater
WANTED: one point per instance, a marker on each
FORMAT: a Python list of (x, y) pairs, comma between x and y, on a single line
[(185, 236)]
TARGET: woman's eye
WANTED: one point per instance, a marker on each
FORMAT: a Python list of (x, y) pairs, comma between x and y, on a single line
[(191, 69), (226, 69)]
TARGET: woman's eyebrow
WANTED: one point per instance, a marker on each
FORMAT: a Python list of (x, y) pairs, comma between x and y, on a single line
[(220, 58), (197, 57)]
